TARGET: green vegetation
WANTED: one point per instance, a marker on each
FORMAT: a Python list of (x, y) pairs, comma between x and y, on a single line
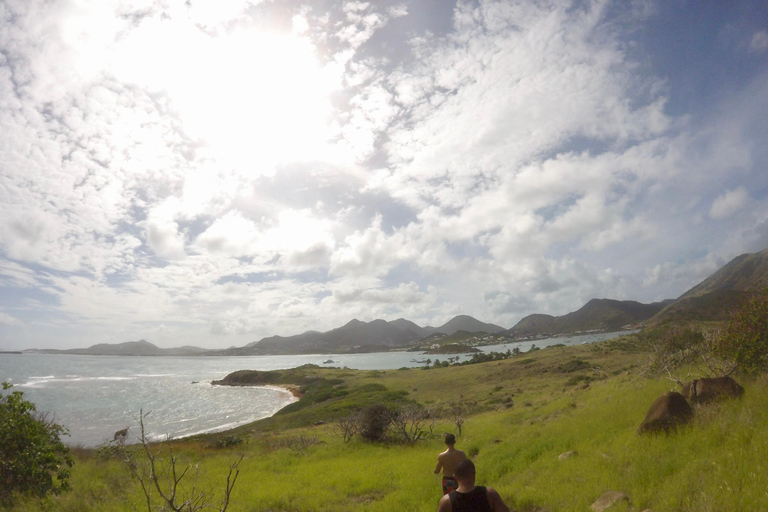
[(33, 460), (515, 415), (745, 338)]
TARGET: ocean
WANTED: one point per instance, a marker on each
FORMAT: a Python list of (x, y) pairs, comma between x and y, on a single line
[(95, 396)]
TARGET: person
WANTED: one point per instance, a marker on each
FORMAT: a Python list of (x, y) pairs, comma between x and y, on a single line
[(468, 497), (447, 461)]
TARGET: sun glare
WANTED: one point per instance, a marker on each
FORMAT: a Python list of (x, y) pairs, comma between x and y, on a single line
[(255, 99)]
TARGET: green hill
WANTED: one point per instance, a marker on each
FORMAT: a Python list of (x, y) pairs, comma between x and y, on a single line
[(595, 315), (717, 296)]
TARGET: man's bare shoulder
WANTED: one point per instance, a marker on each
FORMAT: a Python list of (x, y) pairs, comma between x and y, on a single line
[(445, 504)]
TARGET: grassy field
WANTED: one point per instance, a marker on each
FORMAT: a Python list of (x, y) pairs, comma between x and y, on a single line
[(519, 415)]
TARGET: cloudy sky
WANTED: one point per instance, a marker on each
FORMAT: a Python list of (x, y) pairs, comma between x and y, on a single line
[(210, 172)]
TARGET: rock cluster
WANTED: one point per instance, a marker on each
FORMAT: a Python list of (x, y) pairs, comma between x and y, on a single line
[(672, 409)]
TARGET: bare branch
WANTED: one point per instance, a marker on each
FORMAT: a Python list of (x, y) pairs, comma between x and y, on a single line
[(166, 478)]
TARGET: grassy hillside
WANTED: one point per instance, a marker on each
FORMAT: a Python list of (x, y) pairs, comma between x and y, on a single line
[(747, 272), (520, 414), (715, 298)]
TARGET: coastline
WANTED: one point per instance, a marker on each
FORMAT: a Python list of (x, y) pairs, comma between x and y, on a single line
[(294, 390)]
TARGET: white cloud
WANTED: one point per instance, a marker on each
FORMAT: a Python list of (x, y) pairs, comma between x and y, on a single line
[(759, 42), (232, 234), (371, 252), (162, 231), (404, 293), (6, 319), (398, 11), (507, 108), (362, 26), (729, 203)]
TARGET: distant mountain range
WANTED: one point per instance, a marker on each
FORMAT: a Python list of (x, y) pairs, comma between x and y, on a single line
[(358, 336), (595, 315), (711, 300), (129, 348)]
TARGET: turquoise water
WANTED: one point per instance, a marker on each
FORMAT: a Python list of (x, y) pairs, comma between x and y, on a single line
[(94, 396)]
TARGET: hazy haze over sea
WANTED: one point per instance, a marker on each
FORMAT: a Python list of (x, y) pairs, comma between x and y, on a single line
[(94, 396)]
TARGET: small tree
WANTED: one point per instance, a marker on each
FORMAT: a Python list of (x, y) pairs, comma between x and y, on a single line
[(33, 459), (374, 422), (409, 422), (164, 479), (683, 352), (347, 427), (457, 416), (745, 338)]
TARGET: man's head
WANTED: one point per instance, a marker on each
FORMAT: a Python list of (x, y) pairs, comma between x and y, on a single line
[(450, 439), (465, 470)]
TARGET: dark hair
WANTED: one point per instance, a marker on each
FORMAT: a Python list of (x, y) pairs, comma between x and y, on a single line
[(450, 439), (464, 468)]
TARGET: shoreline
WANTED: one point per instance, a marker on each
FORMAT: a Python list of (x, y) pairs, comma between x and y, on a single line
[(294, 390)]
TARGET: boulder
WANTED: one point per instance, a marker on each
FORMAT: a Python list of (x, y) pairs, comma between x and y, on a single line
[(666, 413), (608, 499), (705, 390)]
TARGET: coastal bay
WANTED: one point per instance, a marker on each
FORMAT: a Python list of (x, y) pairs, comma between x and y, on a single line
[(94, 396)]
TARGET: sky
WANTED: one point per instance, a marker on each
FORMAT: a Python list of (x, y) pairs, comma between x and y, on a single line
[(213, 172)]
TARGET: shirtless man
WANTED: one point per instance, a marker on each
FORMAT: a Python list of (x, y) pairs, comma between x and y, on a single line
[(468, 497), (447, 461)]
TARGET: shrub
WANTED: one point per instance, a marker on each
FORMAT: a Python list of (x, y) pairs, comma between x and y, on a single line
[(374, 422), (409, 422), (681, 352), (33, 459), (574, 365), (224, 441), (745, 338), (347, 427), (300, 443), (576, 379)]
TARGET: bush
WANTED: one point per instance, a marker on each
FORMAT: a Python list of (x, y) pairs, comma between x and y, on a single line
[(224, 441), (745, 338), (33, 459), (574, 365), (682, 352), (374, 422)]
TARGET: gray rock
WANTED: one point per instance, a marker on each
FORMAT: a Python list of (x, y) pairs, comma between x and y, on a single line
[(608, 499)]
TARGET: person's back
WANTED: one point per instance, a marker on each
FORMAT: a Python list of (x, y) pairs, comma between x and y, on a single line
[(447, 461), (475, 500), (468, 497)]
